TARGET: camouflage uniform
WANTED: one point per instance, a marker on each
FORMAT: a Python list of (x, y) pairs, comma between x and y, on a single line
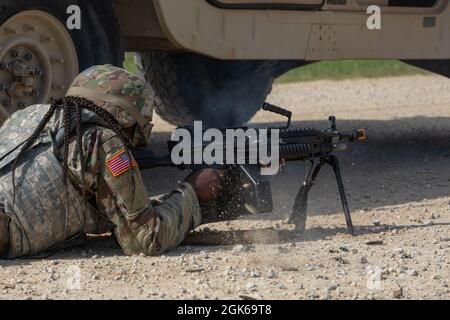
[(39, 220)]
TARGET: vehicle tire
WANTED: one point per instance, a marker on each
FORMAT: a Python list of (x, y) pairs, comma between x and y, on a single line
[(39, 27), (221, 93)]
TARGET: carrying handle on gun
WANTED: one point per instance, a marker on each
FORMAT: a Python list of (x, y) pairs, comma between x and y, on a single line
[(277, 110)]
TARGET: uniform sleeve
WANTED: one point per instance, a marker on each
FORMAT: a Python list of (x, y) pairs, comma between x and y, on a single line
[(121, 195)]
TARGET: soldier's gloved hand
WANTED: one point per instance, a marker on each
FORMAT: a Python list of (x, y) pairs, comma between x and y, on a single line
[(221, 194), (206, 184)]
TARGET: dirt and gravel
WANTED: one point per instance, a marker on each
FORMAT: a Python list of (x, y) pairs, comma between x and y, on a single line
[(399, 191)]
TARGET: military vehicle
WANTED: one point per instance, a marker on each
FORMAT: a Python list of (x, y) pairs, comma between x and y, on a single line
[(214, 60)]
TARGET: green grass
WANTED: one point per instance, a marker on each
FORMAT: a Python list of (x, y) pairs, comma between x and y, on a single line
[(129, 64), (332, 70), (349, 69)]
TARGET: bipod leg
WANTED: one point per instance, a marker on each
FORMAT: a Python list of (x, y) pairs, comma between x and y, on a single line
[(300, 210), (333, 161)]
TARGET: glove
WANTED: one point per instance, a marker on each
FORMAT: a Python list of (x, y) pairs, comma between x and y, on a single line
[(206, 184), (221, 194)]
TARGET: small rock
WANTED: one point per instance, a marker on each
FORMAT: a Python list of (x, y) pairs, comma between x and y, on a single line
[(433, 216), (281, 286), (8, 286), (341, 272), (195, 270), (375, 243), (436, 277), (238, 249), (406, 255), (341, 260), (312, 267), (289, 269), (283, 250), (412, 273), (250, 286), (94, 257), (332, 287), (364, 260), (398, 293), (428, 223), (271, 274), (376, 222)]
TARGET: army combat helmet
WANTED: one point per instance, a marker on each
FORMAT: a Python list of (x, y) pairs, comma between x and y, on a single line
[(124, 95)]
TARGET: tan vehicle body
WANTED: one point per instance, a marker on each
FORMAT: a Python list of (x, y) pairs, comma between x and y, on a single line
[(209, 60), (335, 31)]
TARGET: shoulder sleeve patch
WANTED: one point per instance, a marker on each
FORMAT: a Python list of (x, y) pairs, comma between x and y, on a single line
[(120, 163)]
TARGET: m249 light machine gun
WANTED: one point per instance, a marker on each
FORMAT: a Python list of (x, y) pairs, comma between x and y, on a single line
[(295, 144)]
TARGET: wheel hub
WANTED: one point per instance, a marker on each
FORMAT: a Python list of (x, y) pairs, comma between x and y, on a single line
[(38, 60), (24, 74)]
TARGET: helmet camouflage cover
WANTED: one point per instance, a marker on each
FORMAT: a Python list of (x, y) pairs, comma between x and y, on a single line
[(124, 95)]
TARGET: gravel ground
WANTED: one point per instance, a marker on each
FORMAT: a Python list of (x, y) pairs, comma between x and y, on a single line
[(398, 185)]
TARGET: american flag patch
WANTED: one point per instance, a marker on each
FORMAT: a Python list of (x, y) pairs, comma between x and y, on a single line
[(120, 163)]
